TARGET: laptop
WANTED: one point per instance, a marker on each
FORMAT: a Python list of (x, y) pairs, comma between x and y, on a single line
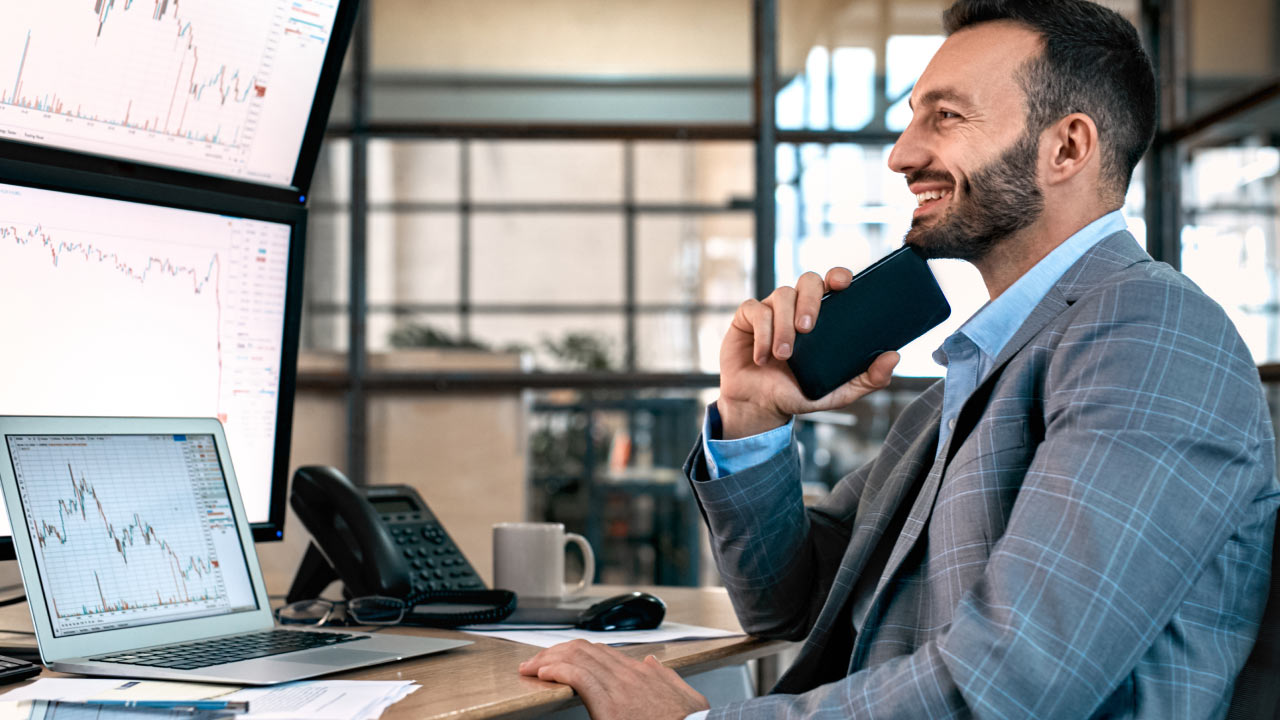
[(138, 561)]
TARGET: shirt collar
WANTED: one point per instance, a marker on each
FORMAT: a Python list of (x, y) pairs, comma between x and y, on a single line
[(995, 323)]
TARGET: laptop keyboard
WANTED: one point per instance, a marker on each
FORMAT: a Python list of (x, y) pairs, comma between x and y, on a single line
[(203, 653)]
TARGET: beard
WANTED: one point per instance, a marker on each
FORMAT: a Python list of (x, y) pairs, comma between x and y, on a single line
[(999, 200)]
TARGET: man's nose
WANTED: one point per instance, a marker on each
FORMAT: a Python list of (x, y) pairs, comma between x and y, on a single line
[(909, 153)]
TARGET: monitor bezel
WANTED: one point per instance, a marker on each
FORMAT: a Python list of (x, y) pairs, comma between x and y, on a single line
[(296, 192), (185, 198)]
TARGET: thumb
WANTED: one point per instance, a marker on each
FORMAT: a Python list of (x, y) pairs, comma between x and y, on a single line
[(881, 371)]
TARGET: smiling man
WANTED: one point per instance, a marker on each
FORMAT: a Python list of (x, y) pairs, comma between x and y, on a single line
[(1077, 521)]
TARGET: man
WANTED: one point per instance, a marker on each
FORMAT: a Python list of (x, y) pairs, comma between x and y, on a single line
[(1076, 522)]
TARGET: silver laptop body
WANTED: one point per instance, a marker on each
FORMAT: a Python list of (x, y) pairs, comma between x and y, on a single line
[(130, 534)]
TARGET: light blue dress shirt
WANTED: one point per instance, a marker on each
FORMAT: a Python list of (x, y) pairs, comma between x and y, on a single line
[(967, 354)]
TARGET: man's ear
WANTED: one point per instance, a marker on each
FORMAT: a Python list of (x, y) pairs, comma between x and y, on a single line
[(1070, 146)]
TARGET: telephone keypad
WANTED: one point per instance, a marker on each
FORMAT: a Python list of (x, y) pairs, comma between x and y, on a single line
[(428, 548)]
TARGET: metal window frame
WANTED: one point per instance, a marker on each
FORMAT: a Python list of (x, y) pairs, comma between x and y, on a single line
[(1163, 24)]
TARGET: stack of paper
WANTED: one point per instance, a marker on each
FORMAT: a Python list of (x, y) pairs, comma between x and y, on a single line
[(312, 699)]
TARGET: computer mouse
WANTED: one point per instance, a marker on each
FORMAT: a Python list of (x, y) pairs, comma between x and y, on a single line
[(631, 611)]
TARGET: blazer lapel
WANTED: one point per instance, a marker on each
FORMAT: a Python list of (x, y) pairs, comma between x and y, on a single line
[(871, 522), (875, 517)]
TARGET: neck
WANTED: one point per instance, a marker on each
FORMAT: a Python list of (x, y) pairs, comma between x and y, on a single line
[(1012, 257)]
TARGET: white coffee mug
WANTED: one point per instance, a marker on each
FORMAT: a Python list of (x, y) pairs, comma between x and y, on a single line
[(528, 558)]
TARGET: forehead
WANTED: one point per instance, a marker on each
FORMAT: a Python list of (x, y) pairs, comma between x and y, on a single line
[(980, 64)]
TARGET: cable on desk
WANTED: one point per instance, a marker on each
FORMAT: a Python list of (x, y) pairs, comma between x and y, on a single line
[(13, 600)]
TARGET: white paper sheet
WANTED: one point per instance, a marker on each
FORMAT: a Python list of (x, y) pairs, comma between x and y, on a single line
[(666, 632), (312, 699), (323, 699)]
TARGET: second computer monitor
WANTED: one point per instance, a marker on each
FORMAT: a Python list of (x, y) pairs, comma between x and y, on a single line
[(118, 307)]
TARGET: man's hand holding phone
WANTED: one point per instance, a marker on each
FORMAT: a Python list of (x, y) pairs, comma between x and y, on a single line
[(757, 389)]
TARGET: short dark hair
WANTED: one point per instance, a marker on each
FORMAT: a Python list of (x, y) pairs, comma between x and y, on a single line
[(1092, 63)]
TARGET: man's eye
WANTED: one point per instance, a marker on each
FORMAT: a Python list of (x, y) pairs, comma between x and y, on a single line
[(948, 115)]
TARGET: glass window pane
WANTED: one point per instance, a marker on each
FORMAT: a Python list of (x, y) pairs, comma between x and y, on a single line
[(531, 171), (556, 341), (1229, 242), (414, 171), (331, 182), (715, 173), (705, 259), (711, 328), (547, 257), (324, 311), (830, 55), (853, 76), (680, 341), (908, 56), (413, 257)]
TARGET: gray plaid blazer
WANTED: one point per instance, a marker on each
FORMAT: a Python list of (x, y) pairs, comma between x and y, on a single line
[(1093, 541)]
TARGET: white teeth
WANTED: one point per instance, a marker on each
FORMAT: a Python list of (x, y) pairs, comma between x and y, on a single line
[(924, 197)]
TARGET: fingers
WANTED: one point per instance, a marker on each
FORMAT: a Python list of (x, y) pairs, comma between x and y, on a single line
[(881, 370), (838, 278), (809, 292), (756, 319), (876, 377), (783, 302), (577, 676), (574, 652)]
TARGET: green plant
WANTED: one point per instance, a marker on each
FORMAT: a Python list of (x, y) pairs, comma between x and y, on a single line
[(425, 336), (581, 351)]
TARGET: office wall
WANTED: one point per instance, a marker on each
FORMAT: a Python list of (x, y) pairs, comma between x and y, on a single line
[(465, 454), (1231, 38), (563, 37)]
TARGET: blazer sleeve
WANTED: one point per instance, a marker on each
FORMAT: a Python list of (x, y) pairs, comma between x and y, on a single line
[(1157, 449), (777, 560)]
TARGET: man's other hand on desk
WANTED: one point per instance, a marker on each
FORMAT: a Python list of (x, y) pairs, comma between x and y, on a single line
[(614, 686)]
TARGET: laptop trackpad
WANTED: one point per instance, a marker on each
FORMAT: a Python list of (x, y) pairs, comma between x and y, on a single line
[(341, 656)]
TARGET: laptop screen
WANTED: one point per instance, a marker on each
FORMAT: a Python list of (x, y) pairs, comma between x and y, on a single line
[(130, 530)]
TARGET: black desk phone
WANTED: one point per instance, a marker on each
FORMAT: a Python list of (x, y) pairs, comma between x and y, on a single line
[(384, 540)]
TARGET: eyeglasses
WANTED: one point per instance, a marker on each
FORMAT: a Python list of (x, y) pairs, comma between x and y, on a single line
[(371, 610)]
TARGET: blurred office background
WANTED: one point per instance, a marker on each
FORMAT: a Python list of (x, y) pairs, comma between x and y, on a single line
[(533, 220)]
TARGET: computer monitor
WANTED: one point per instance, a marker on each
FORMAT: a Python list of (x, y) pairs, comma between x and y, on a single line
[(226, 93), (120, 306)]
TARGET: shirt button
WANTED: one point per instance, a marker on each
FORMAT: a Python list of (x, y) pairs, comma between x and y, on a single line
[(951, 424)]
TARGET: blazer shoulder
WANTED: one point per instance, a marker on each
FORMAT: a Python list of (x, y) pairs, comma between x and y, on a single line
[(1157, 292)]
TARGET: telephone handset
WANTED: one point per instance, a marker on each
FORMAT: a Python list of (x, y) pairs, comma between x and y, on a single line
[(384, 540)]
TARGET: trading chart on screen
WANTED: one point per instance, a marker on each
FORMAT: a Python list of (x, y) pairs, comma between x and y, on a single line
[(223, 87), (130, 529), (130, 309)]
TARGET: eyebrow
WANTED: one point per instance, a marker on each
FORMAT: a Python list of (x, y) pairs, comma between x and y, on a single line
[(942, 95)]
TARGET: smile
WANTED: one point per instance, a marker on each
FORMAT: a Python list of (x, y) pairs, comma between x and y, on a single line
[(924, 198)]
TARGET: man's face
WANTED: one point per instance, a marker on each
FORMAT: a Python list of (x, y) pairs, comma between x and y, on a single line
[(967, 154)]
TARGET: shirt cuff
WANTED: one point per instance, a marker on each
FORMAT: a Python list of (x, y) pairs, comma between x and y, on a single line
[(726, 457), (700, 715)]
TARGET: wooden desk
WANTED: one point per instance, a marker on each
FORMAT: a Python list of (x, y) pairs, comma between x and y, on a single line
[(481, 680)]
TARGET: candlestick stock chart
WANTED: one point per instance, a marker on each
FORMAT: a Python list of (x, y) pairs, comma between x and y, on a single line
[(189, 84), (126, 529)]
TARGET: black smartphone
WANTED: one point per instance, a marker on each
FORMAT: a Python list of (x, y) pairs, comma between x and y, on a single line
[(889, 304)]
